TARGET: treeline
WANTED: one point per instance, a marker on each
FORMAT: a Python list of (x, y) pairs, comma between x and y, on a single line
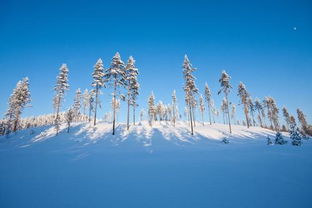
[(122, 81)]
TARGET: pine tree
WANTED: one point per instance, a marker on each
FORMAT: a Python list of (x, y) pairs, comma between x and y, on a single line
[(85, 101), (252, 109), (259, 109), (279, 139), (151, 108), (116, 75), (244, 95), (286, 116), (295, 135), (60, 88), (77, 104), (225, 88), (17, 102), (202, 107), (132, 87), (306, 128), (233, 112), (97, 83), (69, 117), (272, 111), (190, 89), (174, 107), (208, 100)]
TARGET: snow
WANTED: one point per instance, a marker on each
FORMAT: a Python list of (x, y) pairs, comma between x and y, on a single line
[(159, 166)]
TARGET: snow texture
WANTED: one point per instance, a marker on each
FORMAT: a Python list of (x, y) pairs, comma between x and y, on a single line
[(157, 166)]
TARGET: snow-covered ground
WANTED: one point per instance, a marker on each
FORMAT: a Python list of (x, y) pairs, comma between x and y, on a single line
[(161, 166)]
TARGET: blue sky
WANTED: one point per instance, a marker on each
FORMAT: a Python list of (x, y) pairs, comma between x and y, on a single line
[(253, 41)]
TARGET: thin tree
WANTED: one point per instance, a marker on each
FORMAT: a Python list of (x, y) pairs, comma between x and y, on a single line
[(77, 104), (60, 88), (97, 83), (286, 116), (202, 107), (244, 95), (225, 88), (190, 88), (174, 107), (259, 109), (208, 100), (132, 88), (151, 108), (116, 75), (17, 102)]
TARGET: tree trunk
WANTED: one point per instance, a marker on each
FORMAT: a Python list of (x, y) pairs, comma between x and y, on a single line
[(134, 114), (246, 115), (96, 103), (191, 121), (228, 112), (128, 113), (209, 112), (114, 106)]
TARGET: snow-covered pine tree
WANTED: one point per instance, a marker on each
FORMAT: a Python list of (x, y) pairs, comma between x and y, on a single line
[(225, 88), (259, 109), (279, 139), (85, 101), (272, 112), (286, 116), (77, 104), (208, 100), (202, 107), (115, 104), (97, 83), (151, 108), (17, 102), (116, 76), (233, 112), (224, 110), (190, 89), (174, 107), (244, 95), (60, 88), (294, 134), (306, 128), (69, 117), (132, 88), (142, 112), (252, 110)]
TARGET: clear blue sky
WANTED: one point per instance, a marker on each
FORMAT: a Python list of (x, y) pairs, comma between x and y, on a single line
[(253, 40)]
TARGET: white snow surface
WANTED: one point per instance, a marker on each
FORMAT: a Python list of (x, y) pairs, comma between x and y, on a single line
[(159, 166)]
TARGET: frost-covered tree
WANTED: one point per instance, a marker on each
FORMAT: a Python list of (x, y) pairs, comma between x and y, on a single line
[(294, 134), (286, 116), (272, 111), (116, 76), (60, 88), (208, 100), (244, 95), (85, 100), (306, 128), (151, 108), (17, 102), (233, 112), (142, 112), (174, 107), (190, 89), (132, 87), (77, 103), (69, 117), (98, 82), (202, 107), (252, 110), (225, 88), (115, 104), (259, 108), (279, 139)]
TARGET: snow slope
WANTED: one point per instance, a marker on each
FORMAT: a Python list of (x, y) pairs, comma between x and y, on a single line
[(152, 167)]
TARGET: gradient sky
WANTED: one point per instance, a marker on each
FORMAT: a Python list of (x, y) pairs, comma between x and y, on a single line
[(254, 41)]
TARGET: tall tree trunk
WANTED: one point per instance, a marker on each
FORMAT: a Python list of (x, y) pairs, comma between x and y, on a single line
[(173, 116), (134, 114), (191, 120), (228, 113), (203, 118), (114, 106), (194, 119), (209, 113), (57, 115), (96, 103), (246, 115), (128, 113)]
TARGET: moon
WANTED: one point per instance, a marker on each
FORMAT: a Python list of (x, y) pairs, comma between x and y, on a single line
[(294, 28)]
